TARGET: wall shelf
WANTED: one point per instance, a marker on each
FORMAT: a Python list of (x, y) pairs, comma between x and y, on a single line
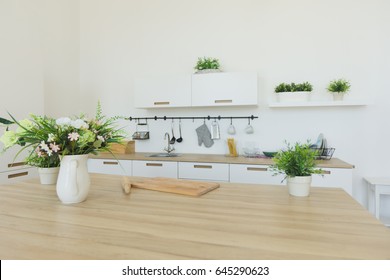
[(317, 104)]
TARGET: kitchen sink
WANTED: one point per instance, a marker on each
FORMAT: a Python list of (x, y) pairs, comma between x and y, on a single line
[(164, 155)]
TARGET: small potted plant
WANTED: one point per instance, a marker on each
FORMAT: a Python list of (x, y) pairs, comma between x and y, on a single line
[(297, 163), (293, 92), (207, 65), (339, 88)]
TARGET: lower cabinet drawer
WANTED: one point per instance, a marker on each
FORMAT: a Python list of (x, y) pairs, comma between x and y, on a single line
[(110, 166), (154, 169), (204, 171), (334, 178), (18, 175), (254, 174)]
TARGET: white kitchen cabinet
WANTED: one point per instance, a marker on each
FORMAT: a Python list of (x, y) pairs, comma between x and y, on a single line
[(224, 89), (204, 171), (162, 91), (155, 168), (334, 178), (19, 174), (110, 166), (254, 174)]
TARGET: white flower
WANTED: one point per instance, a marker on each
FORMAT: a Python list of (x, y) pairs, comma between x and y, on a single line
[(51, 137), (101, 138), (44, 146), (63, 121), (79, 123)]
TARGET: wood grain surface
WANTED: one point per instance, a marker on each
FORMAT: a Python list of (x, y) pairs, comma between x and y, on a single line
[(235, 221)]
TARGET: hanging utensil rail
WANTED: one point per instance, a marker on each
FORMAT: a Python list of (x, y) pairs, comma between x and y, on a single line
[(252, 117)]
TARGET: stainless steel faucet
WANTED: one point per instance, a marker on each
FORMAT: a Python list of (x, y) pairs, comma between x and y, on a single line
[(169, 147)]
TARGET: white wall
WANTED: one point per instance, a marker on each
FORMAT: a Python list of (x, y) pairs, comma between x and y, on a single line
[(284, 41)]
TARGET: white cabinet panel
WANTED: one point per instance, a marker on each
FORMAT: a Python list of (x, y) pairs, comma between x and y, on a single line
[(163, 91), (204, 171), (254, 174), (154, 169), (224, 89), (8, 162), (334, 178), (110, 166), (17, 175)]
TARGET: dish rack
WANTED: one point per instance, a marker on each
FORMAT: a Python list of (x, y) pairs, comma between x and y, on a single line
[(325, 153)]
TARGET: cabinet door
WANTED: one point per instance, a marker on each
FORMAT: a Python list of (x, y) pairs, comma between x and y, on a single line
[(164, 91), (204, 171), (8, 161), (224, 89), (17, 175), (334, 178), (154, 169), (254, 174), (110, 166)]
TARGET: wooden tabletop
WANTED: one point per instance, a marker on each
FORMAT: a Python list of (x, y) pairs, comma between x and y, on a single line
[(235, 221), (184, 157)]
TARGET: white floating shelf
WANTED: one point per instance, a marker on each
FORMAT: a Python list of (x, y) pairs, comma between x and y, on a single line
[(317, 104)]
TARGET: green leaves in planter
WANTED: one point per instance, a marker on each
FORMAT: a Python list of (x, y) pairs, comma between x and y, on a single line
[(340, 86), (283, 87), (207, 63)]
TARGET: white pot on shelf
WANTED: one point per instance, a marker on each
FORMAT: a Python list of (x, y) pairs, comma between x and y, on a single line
[(299, 185), (338, 96), (48, 176), (296, 96)]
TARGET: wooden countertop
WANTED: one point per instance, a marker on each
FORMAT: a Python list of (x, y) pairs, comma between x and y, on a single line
[(332, 163), (235, 221)]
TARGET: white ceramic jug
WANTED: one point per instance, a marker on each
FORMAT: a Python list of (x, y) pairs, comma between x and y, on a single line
[(73, 181)]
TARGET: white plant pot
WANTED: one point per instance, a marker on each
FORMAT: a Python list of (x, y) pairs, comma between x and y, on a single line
[(73, 180), (299, 185), (297, 96), (48, 176), (338, 96)]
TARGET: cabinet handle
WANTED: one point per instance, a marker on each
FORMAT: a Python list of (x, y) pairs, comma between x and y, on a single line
[(154, 164), (14, 164), (162, 103), (325, 172), (110, 162), (223, 101), (17, 175), (256, 169), (203, 166)]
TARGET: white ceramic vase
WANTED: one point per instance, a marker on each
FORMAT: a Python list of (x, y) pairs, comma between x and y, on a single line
[(48, 176), (73, 180), (338, 96), (299, 185), (297, 96)]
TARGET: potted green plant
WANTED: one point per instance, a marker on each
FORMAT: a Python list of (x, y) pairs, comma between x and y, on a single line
[(207, 65), (297, 163), (293, 92), (339, 88)]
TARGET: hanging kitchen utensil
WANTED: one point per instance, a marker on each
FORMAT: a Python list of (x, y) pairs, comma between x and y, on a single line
[(142, 131), (215, 134), (231, 129), (180, 139), (249, 128), (173, 139)]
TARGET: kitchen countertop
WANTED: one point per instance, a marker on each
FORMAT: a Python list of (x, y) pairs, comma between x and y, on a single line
[(235, 221), (184, 157)]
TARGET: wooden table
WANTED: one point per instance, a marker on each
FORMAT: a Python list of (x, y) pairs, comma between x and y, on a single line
[(235, 221)]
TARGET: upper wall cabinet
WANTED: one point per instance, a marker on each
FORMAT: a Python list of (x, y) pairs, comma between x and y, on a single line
[(163, 91), (224, 89)]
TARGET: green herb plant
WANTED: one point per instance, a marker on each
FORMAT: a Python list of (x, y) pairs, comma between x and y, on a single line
[(296, 160), (283, 87), (339, 86), (207, 63)]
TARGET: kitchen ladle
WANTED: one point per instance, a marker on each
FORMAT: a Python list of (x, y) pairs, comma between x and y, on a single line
[(173, 139), (180, 139)]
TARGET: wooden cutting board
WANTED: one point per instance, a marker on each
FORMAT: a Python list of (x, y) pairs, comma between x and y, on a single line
[(186, 187)]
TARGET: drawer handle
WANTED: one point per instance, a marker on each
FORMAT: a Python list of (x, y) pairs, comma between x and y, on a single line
[(110, 162), (203, 166), (256, 169), (21, 163), (17, 175), (223, 101), (325, 172), (154, 164), (162, 103)]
